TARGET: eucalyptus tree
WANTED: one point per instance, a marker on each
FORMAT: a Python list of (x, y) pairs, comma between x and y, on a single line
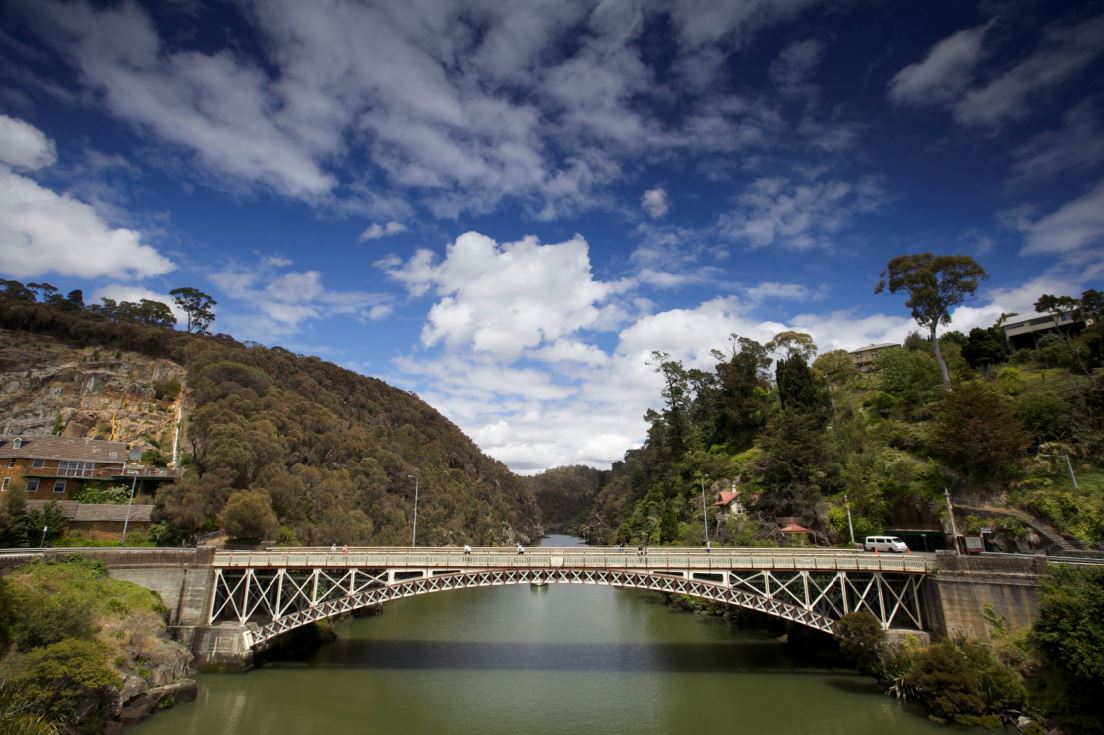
[(935, 284)]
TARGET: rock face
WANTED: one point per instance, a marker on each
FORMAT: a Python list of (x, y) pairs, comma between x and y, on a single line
[(49, 387)]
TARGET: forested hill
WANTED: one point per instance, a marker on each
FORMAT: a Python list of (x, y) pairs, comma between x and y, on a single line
[(283, 446)]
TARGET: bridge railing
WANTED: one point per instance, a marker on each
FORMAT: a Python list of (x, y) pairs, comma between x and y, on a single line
[(576, 558)]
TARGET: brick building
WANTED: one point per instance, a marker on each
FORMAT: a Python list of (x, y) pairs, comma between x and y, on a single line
[(55, 467)]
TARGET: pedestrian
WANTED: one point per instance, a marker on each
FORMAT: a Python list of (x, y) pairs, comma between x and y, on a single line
[(521, 549), (333, 548), (621, 546), (467, 550), (345, 550)]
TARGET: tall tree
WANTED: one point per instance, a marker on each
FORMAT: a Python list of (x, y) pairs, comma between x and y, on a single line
[(935, 284), (198, 306), (985, 347), (1056, 307)]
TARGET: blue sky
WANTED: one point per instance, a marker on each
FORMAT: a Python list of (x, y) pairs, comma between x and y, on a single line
[(505, 207)]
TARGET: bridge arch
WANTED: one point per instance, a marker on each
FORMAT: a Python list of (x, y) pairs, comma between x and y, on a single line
[(270, 603)]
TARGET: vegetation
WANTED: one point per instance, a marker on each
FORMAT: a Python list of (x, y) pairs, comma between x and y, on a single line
[(332, 450), (71, 636)]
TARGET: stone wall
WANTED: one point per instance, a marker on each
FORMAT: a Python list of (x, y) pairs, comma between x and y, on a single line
[(964, 593)]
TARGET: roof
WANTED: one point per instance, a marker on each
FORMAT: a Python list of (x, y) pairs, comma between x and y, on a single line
[(880, 346), (1070, 315), (34, 446), (727, 497), (794, 528), (92, 512)]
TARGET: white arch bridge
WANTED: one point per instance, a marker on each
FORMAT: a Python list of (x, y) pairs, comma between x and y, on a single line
[(271, 592)]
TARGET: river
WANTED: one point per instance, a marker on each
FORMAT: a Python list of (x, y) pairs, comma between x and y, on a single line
[(563, 659)]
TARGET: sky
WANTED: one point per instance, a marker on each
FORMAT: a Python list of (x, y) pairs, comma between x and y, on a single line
[(506, 206)]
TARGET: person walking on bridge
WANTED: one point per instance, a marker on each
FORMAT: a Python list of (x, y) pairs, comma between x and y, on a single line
[(521, 549), (467, 550)]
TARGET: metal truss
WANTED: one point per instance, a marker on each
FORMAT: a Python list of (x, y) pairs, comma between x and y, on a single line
[(269, 602)]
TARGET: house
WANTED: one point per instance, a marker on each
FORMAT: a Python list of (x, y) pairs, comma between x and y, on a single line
[(101, 520), (728, 501), (864, 357), (56, 467), (1023, 331)]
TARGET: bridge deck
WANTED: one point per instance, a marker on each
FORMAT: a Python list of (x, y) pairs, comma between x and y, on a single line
[(574, 557)]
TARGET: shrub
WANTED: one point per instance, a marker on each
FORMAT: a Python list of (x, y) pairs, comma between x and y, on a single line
[(965, 683), (862, 640), (62, 676)]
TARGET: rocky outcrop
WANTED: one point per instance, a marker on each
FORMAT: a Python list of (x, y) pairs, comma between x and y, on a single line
[(49, 387)]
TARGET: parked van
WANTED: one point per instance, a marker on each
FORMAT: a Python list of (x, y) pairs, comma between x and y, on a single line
[(885, 543)]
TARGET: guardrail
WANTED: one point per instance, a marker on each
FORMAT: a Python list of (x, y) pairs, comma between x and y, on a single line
[(667, 559)]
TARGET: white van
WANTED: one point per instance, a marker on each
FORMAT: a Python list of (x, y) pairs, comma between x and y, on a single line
[(885, 543)]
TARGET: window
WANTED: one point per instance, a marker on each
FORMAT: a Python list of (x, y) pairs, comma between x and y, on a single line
[(11, 463), (32, 484), (4, 486), (38, 462), (75, 469), (59, 486)]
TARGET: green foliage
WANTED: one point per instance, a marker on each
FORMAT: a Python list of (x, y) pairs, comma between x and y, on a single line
[(861, 639), (985, 348), (63, 675), (100, 493), (156, 457), (197, 306), (248, 516), (564, 494), (1010, 381), (166, 389), (964, 682), (909, 378), (976, 433), (1044, 415), (1070, 628)]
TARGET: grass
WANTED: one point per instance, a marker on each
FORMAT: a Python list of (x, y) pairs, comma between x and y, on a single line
[(1076, 512)]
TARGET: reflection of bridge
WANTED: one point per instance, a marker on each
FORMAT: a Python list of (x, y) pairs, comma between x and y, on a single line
[(273, 592), (227, 604)]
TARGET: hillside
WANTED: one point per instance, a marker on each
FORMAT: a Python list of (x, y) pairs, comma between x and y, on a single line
[(330, 452), (807, 441), (564, 494)]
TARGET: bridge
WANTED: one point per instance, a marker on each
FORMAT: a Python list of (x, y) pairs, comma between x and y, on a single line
[(229, 604)]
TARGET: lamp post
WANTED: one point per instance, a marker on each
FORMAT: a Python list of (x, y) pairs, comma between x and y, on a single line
[(705, 515), (130, 504), (42, 542), (414, 534)]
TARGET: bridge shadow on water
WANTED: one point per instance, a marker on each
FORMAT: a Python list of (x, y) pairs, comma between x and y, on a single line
[(758, 658)]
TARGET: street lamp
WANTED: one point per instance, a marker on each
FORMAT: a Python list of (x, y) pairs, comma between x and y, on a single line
[(42, 542), (705, 516), (954, 528), (414, 534), (850, 528)]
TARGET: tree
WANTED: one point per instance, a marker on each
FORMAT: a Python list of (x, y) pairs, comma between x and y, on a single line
[(976, 433), (985, 347), (1056, 307), (790, 343), (935, 284), (248, 516), (836, 367), (198, 306), (861, 639), (15, 291)]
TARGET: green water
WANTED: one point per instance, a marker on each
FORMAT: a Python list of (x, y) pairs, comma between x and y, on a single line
[(525, 661)]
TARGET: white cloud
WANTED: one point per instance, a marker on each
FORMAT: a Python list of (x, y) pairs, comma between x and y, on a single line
[(706, 21), (24, 146), (1077, 146), (261, 303), (654, 202), (42, 231), (375, 231), (504, 298), (795, 66), (1078, 226), (944, 73), (798, 214), (1064, 51), (785, 292)]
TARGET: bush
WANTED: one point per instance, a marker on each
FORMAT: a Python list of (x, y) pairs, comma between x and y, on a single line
[(964, 682), (248, 516), (95, 493), (63, 676), (862, 640)]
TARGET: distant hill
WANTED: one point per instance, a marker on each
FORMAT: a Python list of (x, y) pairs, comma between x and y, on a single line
[(565, 493), (332, 450)]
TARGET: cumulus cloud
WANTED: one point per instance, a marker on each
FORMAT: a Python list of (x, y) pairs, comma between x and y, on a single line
[(654, 202), (42, 231), (24, 146), (375, 231), (792, 71), (504, 298), (944, 73), (129, 292)]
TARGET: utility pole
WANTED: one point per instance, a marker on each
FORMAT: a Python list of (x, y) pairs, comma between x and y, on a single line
[(705, 516), (954, 528), (850, 528), (130, 504), (414, 534), (1069, 466)]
